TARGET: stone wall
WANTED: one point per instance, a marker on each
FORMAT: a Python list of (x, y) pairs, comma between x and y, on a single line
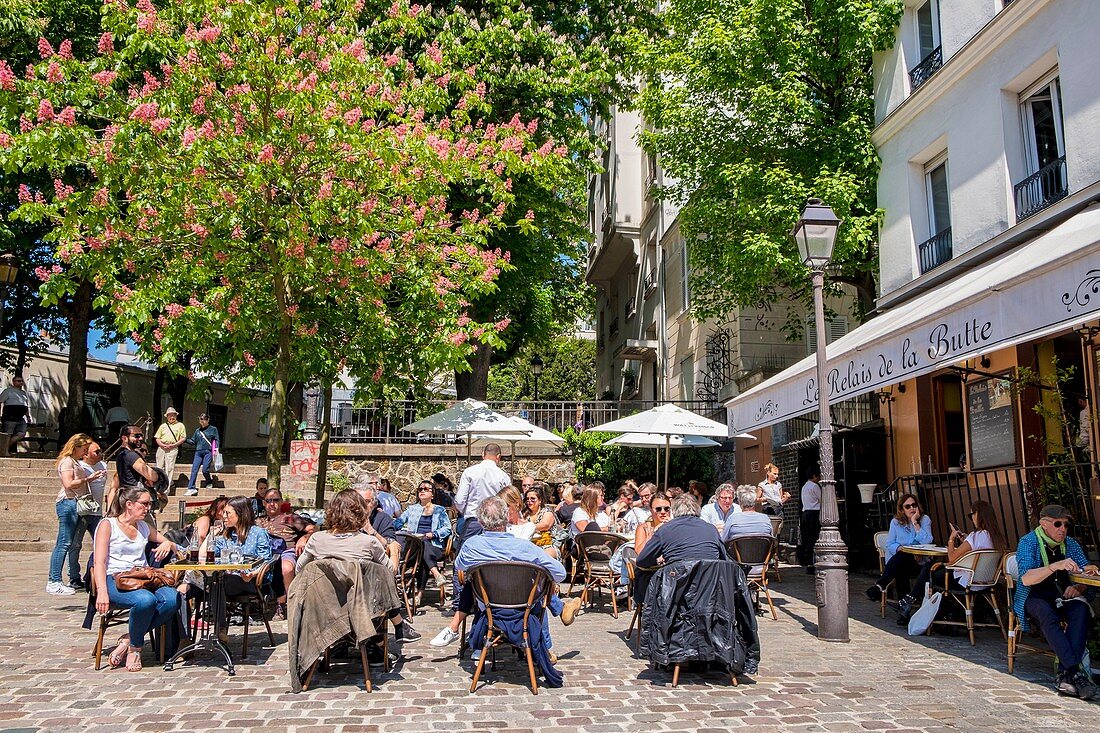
[(406, 465)]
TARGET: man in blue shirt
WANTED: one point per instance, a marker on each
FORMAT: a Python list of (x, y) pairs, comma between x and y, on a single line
[(495, 544)]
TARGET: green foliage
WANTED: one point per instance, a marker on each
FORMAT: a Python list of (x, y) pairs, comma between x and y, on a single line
[(569, 372), (613, 464), (754, 106), (338, 481)]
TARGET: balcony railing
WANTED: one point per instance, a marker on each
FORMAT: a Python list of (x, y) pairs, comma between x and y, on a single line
[(613, 329), (1041, 189), (926, 68), (383, 422), (934, 252), (631, 307), (650, 284)]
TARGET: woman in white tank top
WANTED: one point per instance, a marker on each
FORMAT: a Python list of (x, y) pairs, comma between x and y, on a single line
[(120, 545)]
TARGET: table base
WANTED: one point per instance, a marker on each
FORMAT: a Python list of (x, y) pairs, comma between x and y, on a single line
[(206, 638)]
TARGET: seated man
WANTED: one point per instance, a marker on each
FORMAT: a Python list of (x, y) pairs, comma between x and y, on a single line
[(495, 544), (748, 520), (683, 537), (1045, 559), (722, 509), (380, 523)]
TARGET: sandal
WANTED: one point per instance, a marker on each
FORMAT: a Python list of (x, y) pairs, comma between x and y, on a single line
[(118, 656), (133, 659)]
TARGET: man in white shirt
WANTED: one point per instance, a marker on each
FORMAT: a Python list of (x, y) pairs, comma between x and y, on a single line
[(478, 482), (723, 506), (15, 414), (810, 526), (169, 437), (640, 513)]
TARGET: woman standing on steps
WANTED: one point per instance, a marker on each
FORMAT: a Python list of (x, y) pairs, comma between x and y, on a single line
[(205, 439), (74, 484)]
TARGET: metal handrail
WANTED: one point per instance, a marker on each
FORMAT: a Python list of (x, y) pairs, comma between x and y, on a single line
[(935, 251), (1042, 188), (928, 66)]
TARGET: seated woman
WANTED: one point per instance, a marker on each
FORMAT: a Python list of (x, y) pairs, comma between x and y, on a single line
[(240, 532), (209, 520), (543, 519), (910, 526), (120, 544), (345, 515), (659, 511), (987, 535), (430, 521), (518, 525), (587, 516), (288, 532), (622, 505)]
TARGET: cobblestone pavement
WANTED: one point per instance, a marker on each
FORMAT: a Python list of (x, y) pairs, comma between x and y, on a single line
[(880, 681)]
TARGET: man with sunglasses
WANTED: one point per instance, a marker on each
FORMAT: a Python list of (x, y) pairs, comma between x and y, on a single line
[(131, 469), (1046, 557)]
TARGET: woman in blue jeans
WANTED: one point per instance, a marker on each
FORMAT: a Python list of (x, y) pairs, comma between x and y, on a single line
[(205, 439), (75, 482), (120, 543)]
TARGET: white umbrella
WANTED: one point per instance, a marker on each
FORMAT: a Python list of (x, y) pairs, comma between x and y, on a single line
[(468, 417), (653, 440), (536, 437), (666, 420)]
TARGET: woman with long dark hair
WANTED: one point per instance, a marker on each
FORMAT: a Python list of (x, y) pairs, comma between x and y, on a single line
[(910, 526), (242, 533)]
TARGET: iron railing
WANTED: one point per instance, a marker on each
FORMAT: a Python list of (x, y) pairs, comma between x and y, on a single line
[(631, 307), (926, 68), (650, 283), (613, 329), (383, 422), (1041, 189), (1016, 494), (934, 252)]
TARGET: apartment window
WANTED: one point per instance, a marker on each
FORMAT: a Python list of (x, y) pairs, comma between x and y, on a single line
[(677, 294), (929, 51), (1044, 149), (936, 250), (835, 327), (687, 377)]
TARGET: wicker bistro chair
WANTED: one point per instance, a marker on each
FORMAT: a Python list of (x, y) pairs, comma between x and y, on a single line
[(263, 594), (449, 546), (985, 568), (324, 660), (630, 561), (754, 553), (119, 616), (408, 571), (509, 585), (1015, 634), (880, 545), (594, 551)]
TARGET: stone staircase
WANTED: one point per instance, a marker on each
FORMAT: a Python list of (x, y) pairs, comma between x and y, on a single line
[(28, 491)]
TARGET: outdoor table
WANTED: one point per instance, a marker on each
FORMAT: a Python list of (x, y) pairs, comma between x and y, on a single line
[(924, 550), (1083, 579), (206, 637)]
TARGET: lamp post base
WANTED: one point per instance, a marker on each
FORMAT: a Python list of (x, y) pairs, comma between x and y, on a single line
[(831, 582)]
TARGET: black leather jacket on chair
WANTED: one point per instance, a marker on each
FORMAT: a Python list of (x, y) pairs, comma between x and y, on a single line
[(700, 610)]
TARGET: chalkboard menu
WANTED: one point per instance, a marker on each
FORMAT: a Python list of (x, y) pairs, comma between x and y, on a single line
[(991, 423)]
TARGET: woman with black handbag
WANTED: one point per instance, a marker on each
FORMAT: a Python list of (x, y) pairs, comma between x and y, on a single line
[(120, 543)]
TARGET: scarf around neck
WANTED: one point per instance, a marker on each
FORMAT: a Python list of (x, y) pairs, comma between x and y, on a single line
[(1045, 542)]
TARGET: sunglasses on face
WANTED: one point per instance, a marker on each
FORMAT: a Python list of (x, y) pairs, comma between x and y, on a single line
[(272, 501), (145, 504), (137, 436), (1059, 523), (909, 506), (662, 509), (426, 488)]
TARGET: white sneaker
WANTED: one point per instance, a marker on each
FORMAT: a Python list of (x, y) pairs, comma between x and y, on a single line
[(444, 637), (476, 656), (57, 589), (192, 492)]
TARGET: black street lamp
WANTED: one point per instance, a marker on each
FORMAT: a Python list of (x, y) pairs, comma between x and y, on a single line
[(815, 234), (9, 270), (536, 371)]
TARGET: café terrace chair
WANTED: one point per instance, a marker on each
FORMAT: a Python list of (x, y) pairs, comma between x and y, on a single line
[(630, 561), (509, 585), (594, 551), (324, 660), (754, 552), (262, 595), (408, 571), (985, 568), (880, 545), (119, 616), (1015, 635)]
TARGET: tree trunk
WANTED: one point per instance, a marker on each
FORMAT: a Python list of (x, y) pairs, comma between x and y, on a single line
[(322, 459), (79, 316), (276, 413), (295, 396), (475, 383)]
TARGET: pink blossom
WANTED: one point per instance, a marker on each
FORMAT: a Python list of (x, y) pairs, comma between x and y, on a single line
[(352, 115), (207, 130), (158, 334), (25, 196), (106, 45), (65, 50), (160, 124), (45, 50), (104, 78), (147, 18), (54, 75), (174, 310), (356, 49), (7, 77), (249, 359), (340, 245), (434, 53), (459, 338), (325, 192), (209, 33), (146, 111), (67, 117), (266, 154), (136, 337), (198, 107), (189, 136), (502, 324), (226, 60), (45, 111), (6, 140)]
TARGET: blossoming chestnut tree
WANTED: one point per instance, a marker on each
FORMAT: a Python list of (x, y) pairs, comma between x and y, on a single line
[(244, 182)]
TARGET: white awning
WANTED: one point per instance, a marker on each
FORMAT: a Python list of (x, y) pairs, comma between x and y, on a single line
[(1047, 285)]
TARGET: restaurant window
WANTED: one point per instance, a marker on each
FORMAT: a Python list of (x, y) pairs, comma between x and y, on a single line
[(950, 421)]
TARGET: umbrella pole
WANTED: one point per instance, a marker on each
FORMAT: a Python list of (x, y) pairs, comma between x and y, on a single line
[(668, 438), (657, 466), (513, 457)]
